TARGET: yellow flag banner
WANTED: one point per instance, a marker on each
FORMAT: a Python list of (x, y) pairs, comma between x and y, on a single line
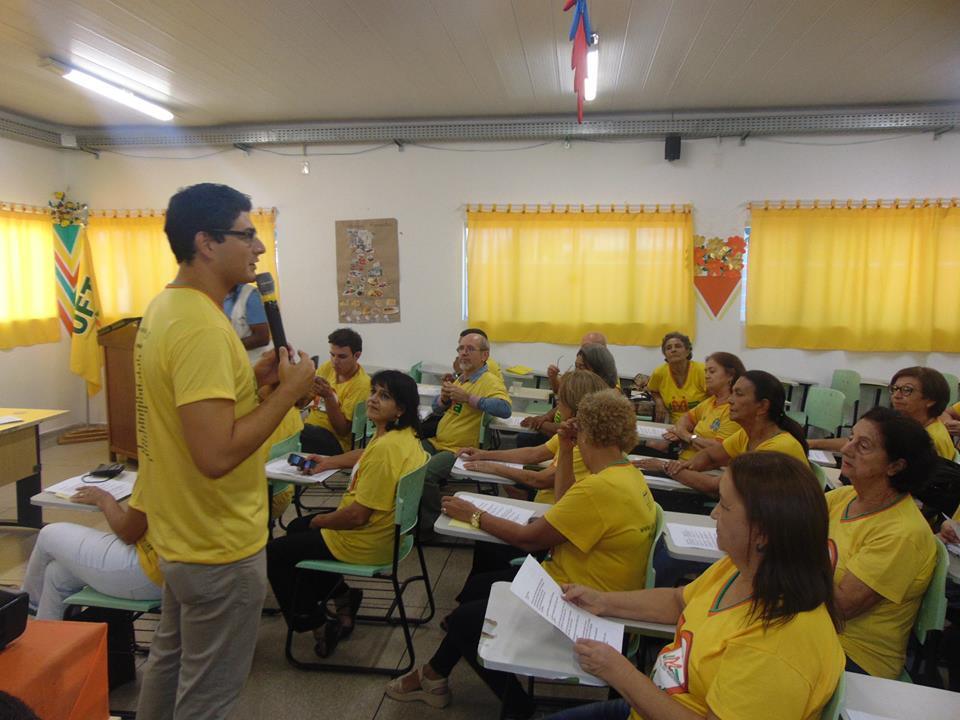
[(86, 357)]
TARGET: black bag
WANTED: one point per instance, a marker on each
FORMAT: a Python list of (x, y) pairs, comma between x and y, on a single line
[(941, 492), (121, 660)]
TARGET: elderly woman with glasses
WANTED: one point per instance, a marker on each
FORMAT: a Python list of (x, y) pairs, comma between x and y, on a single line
[(921, 393), (885, 552), (680, 383)]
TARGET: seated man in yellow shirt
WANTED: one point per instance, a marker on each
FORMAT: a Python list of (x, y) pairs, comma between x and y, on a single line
[(462, 403), (341, 384)]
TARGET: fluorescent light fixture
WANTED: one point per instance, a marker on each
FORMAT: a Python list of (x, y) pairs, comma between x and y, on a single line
[(593, 69), (108, 90)]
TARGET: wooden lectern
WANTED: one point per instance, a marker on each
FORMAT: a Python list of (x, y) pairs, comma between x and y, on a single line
[(117, 341)]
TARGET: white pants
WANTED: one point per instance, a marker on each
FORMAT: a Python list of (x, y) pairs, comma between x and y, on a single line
[(68, 556)]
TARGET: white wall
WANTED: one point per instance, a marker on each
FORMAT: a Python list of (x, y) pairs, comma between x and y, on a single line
[(426, 191), (38, 376)]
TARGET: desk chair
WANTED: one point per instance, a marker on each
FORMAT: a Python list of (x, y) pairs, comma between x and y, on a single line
[(416, 372), (406, 520), (119, 614), (952, 381), (819, 474), (360, 428), (825, 409), (848, 382), (929, 624)]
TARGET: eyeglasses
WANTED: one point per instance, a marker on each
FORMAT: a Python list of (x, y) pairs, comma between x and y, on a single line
[(467, 348), (905, 390), (248, 235)]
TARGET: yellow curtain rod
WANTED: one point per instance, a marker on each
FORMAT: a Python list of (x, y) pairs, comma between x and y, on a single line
[(852, 204), (23, 208), (553, 208), (159, 213)]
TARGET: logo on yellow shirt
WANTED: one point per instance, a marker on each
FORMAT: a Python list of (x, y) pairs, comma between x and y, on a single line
[(670, 670)]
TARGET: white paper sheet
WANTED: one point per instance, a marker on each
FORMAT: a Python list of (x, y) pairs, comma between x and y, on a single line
[(538, 590), (7, 419), (424, 411), (513, 420), (650, 433), (693, 536), (953, 548), (459, 464), (280, 469), (120, 487), (858, 715), (499, 509), (428, 390), (821, 457)]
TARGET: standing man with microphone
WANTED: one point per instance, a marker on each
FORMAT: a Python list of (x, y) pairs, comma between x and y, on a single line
[(200, 427)]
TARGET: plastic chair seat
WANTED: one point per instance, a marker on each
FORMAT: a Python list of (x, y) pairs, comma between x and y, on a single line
[(88, 597), (345, 568)]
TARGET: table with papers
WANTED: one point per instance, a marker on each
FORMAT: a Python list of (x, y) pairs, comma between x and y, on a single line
[(20, 459), (460, 472), (691, 537), (512, 423), (58, 495), (455, 528), (872, 698), (280, 469)]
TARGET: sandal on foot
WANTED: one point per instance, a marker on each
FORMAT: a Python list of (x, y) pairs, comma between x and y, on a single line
[(435, 693), (351, 605), (327, 636)]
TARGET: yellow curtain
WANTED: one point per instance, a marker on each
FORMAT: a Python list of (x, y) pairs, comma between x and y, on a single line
[(860, 278), (28, 301), (134, 262), (552, 276)]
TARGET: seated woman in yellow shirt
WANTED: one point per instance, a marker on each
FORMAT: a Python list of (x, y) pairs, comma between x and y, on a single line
[(360, 530), (679, 384), (756, 633), (885, 551), (757, 405), (709, 422), (600, 531), (918, 392)]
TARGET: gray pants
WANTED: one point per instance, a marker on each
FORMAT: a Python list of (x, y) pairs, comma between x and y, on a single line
[(438, 470), (203, 647)]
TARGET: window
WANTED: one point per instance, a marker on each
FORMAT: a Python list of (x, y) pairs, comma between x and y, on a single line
[(28, 302), (870, 277), (552, 276)]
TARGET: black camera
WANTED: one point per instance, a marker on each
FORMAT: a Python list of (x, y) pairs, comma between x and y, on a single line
[(301, 462)]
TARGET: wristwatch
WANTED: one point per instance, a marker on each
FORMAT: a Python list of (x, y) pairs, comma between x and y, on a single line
[(475, 519), (693, 437)]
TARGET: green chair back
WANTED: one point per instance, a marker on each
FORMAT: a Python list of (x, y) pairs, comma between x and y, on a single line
[(538, 407), (484, 429), (657, 532), (409, 490), (819, 474), (359, 424), (952, 381), (285, 447), (831, 711), (848, 382), (933, 608), (416, 372), (824, 409)]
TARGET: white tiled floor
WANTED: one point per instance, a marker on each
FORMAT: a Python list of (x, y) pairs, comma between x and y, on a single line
[(274, 688)]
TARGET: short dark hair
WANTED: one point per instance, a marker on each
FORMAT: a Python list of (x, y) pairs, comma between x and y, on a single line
[(729, 362), (201, 208), (904, 439), (474, 331), (599, 360), (346, 337), (933, 385), (685, 339), (785, 504), (768, 387), (404, 390)]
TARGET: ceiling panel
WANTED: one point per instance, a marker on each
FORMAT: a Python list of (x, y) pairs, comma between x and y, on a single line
[(246, 61)]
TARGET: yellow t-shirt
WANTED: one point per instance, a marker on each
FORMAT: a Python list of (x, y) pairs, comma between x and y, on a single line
[(460, 425), (942, 442), (608, 520), (894, 552), (494, 367), (149, 562), (374, 485), (725, 661), (349, 393), (710, 421), (545, 495), (187, 351), (782, 442), (679, 400)]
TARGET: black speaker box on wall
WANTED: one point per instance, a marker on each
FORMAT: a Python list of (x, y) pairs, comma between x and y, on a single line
[(671, 149)]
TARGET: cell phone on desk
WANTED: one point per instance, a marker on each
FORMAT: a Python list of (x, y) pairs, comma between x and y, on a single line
[(107, 470), (301, 462)]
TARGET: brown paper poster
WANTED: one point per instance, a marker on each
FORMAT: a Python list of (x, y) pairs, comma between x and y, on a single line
[(368, 271)]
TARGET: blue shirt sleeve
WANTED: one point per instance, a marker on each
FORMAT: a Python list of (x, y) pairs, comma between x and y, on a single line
[(256, 315)]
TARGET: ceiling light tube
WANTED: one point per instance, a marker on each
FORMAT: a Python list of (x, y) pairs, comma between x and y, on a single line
[(109, 90), (593, 69)]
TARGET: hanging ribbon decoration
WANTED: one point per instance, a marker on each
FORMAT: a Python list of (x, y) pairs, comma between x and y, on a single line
[(581, 34)]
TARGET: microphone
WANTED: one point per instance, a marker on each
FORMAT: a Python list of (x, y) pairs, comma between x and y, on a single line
[(268, 292)]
